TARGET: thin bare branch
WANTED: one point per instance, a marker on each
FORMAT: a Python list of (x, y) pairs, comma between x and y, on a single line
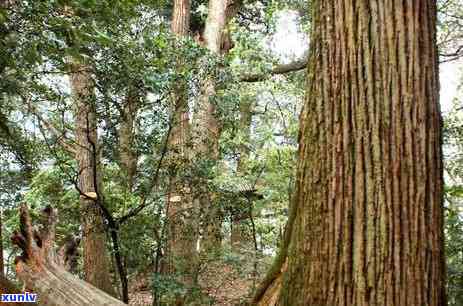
[(67, 144), (295, 65)]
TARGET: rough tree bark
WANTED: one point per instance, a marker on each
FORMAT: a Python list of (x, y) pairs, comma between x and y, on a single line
[(368, 204), (42, 270), (96, 260), (207, 127), (182, 231), (127, 153)]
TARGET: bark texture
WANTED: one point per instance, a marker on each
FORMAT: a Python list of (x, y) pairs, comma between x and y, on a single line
[(182, 231), (41, 269), (127, 152), (181, 17), (96, 260), (369, 212), (181, 210), (207, 127)]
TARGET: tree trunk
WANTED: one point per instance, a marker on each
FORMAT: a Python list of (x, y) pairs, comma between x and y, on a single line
[(128, 159), (42, 270), (182, 232), (128, 155), (368, 201), (96, 260), (241, 234), (207, 127)]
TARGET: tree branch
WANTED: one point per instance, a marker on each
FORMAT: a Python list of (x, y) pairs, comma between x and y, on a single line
[(295, 65), (448, 57), (61, 137), (144, 202)]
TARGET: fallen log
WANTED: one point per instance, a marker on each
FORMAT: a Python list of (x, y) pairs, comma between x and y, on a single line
[(43, 271)]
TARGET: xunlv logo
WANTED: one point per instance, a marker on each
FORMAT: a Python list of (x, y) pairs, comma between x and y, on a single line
[(19, 297)]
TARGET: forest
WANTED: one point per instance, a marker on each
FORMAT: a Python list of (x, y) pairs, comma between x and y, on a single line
[(231, 152)]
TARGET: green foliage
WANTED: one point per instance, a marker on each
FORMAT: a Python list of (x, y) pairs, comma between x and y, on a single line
[(454, 247), (450, 14), (52, 187), (453, 149), (167, 290)]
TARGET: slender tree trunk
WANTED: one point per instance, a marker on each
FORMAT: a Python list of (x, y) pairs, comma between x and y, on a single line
[(96, 260), (368, 202), (207, 127), (128, 155), (128, 159), (241, 233)]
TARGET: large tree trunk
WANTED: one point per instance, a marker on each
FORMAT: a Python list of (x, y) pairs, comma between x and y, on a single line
[(369, 215), (96, 260), (207, 127), (182, 232), (42, 270)]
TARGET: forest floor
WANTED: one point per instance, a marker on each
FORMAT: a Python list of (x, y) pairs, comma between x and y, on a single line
[(227, 280)]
